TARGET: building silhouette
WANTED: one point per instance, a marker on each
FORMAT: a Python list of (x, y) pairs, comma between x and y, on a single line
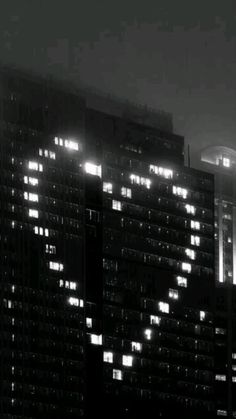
[(221, 162), (107, 262)]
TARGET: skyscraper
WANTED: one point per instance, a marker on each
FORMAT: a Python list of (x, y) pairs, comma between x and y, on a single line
[(221, 161), (107, 263)]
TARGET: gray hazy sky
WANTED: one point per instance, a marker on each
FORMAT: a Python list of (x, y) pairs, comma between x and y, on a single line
[(176, 55)]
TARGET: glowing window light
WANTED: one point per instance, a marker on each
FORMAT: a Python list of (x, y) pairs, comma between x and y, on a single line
[(89, 322), (190, 209), (182, 281), (195, 225), (33, 165), (202, 315), (31, 196), (93, 169), (56, 266), (73, 301), (226, 162), (174, 294), (136, 346), (107, 187), (140, 181), (164, 307), (96, 339), (148, 334), (108, 357), (117, 375), (116, 205), (155, 320), (190, 253), (182, 192), (33, 213), (186, 267), (51, 249), (195, 240), (127, 360), (220, 377), (72, 145), (31, 180), (161, 171), (126, 192)]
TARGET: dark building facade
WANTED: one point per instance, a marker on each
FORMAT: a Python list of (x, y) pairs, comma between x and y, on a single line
[(221, 162), (107, 263)]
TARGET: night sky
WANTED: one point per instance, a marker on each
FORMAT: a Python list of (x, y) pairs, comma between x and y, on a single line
[(176, 55)]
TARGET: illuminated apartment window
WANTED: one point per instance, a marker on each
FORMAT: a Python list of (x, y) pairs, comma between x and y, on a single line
[(117, 375), (161, 171), (56, 266), (190, 209), (96, 339), (108, 357), (164, 307), (186, 267), (116, 205), (202, 315), (226, 162), (107, 187), (31, 180), (195, 225), (49, 248), (233, 355), (155, 320), (89, 322), (229, 240), (31, 196), (33, 213), (127, 360), (73, 301), (182, 281), (33, 165), (220, 377), (93, 169), (126, 192), (139, 180), (182, 192), (148, 334), (220, 331), (221, 412), (136, 346), (174, 294), (72, 145), (234, 379), (190, 253), (195, 240)]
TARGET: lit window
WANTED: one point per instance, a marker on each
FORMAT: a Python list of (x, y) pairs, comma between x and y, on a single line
[(49, 248), (173, 294), (186, 267), (148, 334), (182, 192), (127, 360), (107, 187), (220, 377), (140, 181), (31, 180), (136, 346), (33, 213), (116, 205), (93, 169), (161, 171), (89, 322), (163, 307), (117, 375), (155, 320), (229, 240), (33, 165), (195, 240), (96, 339), (221, 412), (220, 331), (126, 192), (195, 225), (182, 281), (202, 315), (72, 145), (226, 162), (108, 357), (73, 301), (190, 253), (31, 196), (190, 209), (56, 266)]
